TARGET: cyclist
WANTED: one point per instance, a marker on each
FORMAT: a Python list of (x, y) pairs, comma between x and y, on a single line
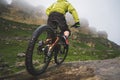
[(57, 11)]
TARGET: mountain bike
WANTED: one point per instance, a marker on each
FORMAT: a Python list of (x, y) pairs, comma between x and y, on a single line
[(45, 43)]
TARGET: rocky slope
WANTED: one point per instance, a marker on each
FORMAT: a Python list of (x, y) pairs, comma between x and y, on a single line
[(83, 70)]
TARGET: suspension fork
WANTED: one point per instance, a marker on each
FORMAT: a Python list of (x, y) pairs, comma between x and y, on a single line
[(56, 41)]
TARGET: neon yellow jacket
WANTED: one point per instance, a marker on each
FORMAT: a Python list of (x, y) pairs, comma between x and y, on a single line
[(63, 6)]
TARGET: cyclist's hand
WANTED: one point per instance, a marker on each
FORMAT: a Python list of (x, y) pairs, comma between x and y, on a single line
[(76, 25)]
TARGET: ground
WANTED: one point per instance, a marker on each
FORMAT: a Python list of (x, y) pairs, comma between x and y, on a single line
[(80, 70)]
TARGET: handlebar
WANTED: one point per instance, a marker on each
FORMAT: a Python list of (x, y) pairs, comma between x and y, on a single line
[(73, 26)]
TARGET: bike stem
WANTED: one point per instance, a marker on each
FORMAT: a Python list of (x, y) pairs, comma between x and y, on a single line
[(56, 41)]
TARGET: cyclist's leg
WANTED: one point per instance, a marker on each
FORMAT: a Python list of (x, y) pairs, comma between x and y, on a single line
[(64, 28), (50, 23)]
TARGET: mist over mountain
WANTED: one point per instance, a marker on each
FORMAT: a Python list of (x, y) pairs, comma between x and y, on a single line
[(3, 2), (86, 29), (21, 11), (3, 6)]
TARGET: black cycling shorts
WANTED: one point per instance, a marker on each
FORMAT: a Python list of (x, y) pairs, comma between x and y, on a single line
[(60, 19)]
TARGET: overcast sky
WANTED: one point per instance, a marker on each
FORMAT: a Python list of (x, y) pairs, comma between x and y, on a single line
[(101, 14)]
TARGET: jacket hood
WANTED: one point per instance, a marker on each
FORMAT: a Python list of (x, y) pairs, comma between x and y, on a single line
[(61, 0)]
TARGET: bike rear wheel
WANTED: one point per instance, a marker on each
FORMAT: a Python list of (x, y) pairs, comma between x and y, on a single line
[(60, 52), (37, 59)]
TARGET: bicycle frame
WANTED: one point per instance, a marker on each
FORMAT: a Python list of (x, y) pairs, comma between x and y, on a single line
[(56, 41)]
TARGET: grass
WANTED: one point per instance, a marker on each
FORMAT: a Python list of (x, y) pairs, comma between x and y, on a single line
[(10, 49), (14, 38)]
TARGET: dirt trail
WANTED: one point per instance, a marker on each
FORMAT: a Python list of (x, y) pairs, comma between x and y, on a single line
[(83, 70)]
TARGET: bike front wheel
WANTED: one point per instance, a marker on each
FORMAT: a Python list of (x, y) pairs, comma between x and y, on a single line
[(37, 59)]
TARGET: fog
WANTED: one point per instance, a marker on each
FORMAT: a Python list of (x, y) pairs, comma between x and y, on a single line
[(23, 11), (4, 2), (87, 29)]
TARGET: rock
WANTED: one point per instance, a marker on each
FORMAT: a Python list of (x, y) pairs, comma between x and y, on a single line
[(86, 71), (21, 55), (94, 78), (82, 70), (75, 53), (80, 73), (35, 62), (20, 64), (91, 44)]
